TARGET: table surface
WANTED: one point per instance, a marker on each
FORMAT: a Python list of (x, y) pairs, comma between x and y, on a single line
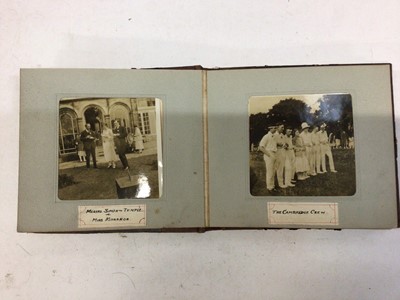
[(124, 182), (232, 264)]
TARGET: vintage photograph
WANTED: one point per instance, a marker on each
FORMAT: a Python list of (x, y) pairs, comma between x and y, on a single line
[(302, 145), (109, 148)]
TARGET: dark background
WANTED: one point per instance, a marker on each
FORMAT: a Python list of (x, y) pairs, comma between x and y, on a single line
[(335, 111)]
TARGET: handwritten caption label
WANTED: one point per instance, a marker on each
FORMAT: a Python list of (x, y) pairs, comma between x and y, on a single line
[(303, 213), (111, 216)]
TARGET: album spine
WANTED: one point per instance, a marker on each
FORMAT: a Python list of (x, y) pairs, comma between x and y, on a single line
[(205, 151)]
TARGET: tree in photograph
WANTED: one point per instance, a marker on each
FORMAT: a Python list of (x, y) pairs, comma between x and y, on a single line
[(291, 112), (337, 112), (258, 127)]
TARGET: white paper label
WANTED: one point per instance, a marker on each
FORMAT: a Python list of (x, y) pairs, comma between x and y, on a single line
[(302, 213), (111, 216)]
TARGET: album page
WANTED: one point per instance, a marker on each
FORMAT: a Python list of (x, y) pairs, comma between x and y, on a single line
[(302, 147), (110, 150)]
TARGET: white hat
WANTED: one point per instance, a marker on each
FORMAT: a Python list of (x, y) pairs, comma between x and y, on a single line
[(323, 125), (304, 125)]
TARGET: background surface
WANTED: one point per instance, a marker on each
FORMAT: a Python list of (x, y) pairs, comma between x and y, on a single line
[(254, 264)]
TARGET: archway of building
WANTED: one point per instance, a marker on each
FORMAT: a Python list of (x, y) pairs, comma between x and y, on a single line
[(120, 112), (94, 116)]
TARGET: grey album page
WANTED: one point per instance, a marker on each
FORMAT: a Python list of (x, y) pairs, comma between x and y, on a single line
[(110, 150), (302, 147)]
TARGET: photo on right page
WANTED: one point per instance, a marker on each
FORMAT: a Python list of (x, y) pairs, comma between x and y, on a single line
[(302, 145)]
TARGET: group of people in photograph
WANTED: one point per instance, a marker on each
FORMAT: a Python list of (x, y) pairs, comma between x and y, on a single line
[(342, 139), (295, 154), (115, 141)]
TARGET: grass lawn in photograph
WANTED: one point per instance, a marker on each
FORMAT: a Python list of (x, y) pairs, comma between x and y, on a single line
[(81, 183), (342, 183)]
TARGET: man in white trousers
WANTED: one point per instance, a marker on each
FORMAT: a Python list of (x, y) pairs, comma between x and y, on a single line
[(268, 147), (316, 148), (306, 136), (326, 150), (290, 159), (280, 155)]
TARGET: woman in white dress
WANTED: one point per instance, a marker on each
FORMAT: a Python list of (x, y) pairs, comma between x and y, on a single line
[(301, 162), (108, 146), (138, 139)]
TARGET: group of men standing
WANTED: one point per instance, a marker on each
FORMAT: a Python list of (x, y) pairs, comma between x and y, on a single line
[(89, 138), (294, 155)]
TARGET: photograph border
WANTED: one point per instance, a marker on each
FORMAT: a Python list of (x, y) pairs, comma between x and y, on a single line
[(302, 198), (159, 142)]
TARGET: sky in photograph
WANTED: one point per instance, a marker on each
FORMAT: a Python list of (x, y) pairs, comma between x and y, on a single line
[(262, 104)]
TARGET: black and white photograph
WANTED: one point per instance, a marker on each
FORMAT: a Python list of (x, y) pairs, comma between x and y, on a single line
[(302, 145), (109, 148)]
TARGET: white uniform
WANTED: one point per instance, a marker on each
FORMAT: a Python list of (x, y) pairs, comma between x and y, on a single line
[(316, 147), (306, 136), (289, 161), (268, 142), (326, 151), (280, 157)]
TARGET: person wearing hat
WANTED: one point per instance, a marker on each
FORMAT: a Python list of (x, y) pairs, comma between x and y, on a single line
[(301, 162), (326, 150), (268, 147), (306, 136)]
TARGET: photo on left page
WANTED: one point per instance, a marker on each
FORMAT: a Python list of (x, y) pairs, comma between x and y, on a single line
[(109, 148)]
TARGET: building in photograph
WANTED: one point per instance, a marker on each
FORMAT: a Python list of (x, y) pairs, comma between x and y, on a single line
[(76, 112)]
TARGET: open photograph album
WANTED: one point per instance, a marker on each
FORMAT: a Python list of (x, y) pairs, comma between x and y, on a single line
[(199, 149)]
